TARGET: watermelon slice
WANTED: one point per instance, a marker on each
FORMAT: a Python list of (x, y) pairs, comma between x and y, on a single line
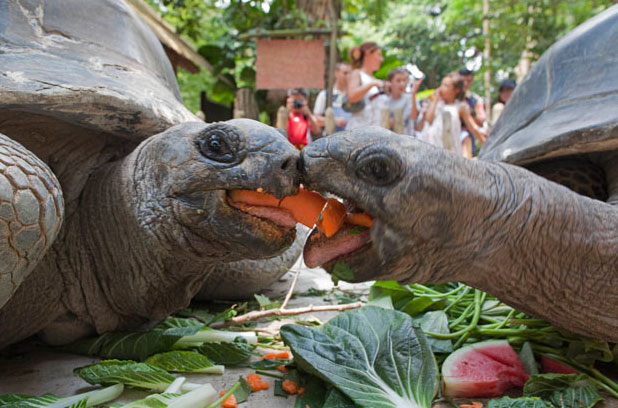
[(484, 369), (549, 365)]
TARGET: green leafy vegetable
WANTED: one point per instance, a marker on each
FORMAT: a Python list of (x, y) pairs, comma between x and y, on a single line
[(342, 271), (87, 399), (336, 399), (184, 362), (227, 353), (375, 356), (436, 322), (243, 391), (526, 355), (564, 390), (524, 402), (140, 375)]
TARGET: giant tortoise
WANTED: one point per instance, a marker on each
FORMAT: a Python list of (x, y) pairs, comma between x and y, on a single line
[(111, 216), (546, 249)]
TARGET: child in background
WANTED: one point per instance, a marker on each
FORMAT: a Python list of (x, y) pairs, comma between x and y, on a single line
[(398, 79)]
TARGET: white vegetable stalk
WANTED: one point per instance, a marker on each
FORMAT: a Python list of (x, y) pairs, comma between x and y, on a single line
[(95, 397), (174, 387), (198, 398), (210, 336)]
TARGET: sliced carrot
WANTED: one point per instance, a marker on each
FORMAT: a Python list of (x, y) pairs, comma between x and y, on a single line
[(290, 387), (255, 381), (305, 206), (254, 198), (282, 368), (332, 218), (264, 385), (229, 402), (361, 219), (269, 356), (283, 354), (474, 404)]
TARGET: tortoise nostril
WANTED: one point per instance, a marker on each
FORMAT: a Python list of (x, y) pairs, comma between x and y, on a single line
[(289, 163)]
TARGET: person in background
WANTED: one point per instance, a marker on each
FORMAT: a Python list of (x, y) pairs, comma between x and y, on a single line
[(504, 94), (302, 126), (445, 101), (474, 101), (342, 71), (398, 79), (363, 86), (476, 109)]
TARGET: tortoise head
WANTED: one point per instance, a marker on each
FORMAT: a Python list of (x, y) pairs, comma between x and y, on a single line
[(400, 182), (182, 178)]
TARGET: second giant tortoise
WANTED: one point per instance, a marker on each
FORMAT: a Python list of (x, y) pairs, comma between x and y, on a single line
[(546, 249), (104, 226)]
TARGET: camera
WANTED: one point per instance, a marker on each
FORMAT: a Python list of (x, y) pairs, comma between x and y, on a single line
[(297, 104)]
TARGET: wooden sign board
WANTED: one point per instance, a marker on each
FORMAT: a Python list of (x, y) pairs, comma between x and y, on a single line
[(283, 64)]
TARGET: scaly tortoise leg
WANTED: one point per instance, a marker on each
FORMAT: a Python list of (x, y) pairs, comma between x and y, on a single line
[(31, 212)]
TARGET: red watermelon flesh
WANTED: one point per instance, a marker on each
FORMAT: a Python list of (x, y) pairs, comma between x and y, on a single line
[(484, 369), (549, 365)]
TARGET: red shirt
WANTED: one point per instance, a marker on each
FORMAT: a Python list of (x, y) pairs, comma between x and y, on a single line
[(298, 126)]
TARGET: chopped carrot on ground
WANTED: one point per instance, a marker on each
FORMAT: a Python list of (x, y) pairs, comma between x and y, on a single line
[(305, 206), (282, 368), (255, 381), (290, 387), (361, 219), (264, 385), (301, 390), (474, 404), (254, 198), (230, 402), (332, 218)]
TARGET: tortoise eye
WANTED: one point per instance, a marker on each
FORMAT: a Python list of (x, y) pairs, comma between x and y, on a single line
[(379, 168), (214, 145)]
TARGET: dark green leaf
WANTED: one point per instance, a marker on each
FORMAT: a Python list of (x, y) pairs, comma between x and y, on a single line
[(279, 392), (542, 385), (268, 364), (342, 271), (227, 353), (375, 356), (337, 399)]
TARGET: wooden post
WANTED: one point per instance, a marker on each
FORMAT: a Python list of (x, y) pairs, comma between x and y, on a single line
[(398, 121), (245, 105), (282, 118), (487, 60), (329, 121), (332, 53)]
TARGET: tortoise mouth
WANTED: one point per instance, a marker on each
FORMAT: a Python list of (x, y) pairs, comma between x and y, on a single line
[(349, 244), (273, 216)]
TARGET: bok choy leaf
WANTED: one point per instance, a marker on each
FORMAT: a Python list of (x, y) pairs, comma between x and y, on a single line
[(375, 356), (87, 399)]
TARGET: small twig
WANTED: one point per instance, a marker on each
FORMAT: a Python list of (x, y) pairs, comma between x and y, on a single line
[(289, 294), (248, 317)]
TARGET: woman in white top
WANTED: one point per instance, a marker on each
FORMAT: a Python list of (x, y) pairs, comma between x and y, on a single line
[(442, 123), (362, 85)]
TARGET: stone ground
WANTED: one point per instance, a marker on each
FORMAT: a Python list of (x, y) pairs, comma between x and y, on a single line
[(30, 368), (34, 369)]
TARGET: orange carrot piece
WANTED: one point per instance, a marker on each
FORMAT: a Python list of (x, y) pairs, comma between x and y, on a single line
[(290, 387), (301, 390), (474, 404), (283, 354), (255, 381), (282, 368), (269, 356), (305, 206), (254, 198), (264, 385), (361, 219), (230, 402), (332, 218)]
